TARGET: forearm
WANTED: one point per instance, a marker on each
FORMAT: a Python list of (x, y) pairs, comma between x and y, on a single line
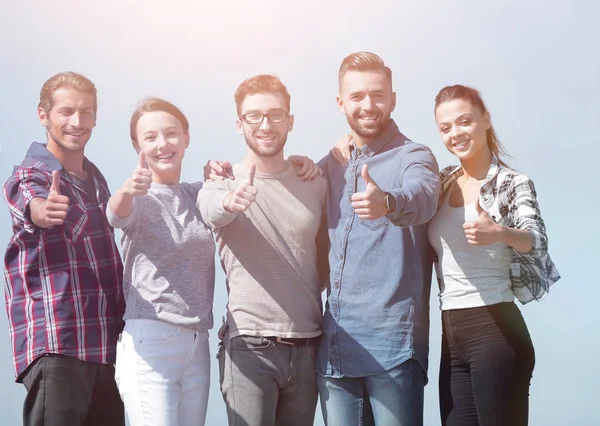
[(519, 239), (212, 209), (121, 203), (36, 212)]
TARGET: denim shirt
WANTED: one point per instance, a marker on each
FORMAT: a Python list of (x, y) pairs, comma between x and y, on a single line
[(377, 310)]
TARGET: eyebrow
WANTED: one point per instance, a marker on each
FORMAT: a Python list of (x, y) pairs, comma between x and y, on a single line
[(460, 117)]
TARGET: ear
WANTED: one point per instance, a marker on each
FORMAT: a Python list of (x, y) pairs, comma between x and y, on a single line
[(290, 123), (43, 116), (240, 126), (340, 103), (187, 139), (488, 120), (393, 101)]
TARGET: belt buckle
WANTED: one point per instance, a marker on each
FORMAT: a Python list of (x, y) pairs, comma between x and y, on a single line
[(278, 340)]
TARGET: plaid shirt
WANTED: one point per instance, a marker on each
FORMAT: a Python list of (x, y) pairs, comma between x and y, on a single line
[(509, 198), (63, 284)]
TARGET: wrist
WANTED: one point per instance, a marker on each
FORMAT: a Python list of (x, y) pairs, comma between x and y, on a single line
[(227, 201), (502, 234)]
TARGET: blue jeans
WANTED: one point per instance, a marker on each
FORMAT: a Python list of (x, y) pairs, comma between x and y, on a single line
[(391, 398), (486, 367), (266, 383)]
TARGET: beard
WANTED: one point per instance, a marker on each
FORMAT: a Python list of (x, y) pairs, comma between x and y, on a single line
[(55, 134), (371, 130), (265, 151)]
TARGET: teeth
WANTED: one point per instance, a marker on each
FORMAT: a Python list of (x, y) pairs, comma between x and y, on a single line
[(164, 156)]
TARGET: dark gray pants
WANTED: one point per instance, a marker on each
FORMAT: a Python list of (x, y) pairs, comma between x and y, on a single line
[(65, 391), (266, 383)]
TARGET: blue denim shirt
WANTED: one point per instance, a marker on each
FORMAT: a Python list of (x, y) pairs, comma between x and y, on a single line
[(377, 310)]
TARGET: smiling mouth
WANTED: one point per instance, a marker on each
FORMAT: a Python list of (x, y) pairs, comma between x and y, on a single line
[(266, 138), (75, 134), (461, 144), (368, 118), (165, 156)]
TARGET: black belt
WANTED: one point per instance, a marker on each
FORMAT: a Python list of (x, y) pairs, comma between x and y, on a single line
[(292, 342)]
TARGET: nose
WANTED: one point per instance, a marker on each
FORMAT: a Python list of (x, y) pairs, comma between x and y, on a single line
[(75, 120), (265, 123), (455, 131), (161, 141), (367, 103)]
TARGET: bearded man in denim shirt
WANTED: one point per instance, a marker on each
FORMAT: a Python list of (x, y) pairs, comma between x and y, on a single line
[(372, 360)]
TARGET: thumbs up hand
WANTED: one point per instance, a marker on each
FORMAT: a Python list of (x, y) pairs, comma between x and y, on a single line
[(239, 200), (370, 204), (141, 179), (484, 231), (56, 205)]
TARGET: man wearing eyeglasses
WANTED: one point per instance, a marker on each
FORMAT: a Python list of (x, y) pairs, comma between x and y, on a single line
[(270, 228)]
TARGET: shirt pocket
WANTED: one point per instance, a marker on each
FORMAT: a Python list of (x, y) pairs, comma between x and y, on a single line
[(374, 225), (76, 223)]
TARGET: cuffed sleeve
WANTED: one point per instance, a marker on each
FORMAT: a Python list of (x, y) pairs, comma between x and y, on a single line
[(417, 197), (210, 204), (122, 222)]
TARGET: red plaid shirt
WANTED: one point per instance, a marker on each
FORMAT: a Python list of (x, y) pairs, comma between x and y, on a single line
[(64, 283)]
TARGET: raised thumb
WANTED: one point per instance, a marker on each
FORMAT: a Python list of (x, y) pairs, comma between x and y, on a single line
[(250, 180), (55, 187), (142, 161), (366, 176)]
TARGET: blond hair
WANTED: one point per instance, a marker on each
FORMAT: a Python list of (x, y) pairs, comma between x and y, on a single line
[(65, 79), (363, 62)]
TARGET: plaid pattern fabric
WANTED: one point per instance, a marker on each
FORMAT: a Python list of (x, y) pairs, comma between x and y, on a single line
[(509, 198), (63, 286)]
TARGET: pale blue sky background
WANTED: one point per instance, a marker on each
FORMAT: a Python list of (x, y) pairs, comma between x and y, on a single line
[(535, 62)]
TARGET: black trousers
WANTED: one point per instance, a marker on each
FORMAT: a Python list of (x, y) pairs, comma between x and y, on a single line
[(65, 391), (486, 367)]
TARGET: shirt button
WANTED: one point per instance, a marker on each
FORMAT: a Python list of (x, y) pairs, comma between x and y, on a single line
[(346, 227), (358, 152)]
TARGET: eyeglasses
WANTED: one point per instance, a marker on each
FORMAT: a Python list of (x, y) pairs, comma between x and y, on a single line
[(258, 117)]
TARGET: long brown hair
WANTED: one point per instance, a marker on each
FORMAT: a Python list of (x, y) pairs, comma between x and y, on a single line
[(451, 93)]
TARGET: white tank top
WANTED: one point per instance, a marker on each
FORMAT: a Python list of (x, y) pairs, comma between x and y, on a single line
[(471, 276)]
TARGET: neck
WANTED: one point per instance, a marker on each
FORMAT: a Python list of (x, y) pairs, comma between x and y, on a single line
[(477, 166), (359, 141), (269, 165), (71, 161), (167, 179)]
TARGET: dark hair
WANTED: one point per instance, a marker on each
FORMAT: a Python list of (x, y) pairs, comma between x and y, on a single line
[(66, 79), (263, 83), (451, 93), (364, 62), (156, 104)]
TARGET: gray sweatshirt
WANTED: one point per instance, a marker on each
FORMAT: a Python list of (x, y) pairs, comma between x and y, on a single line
[(274, 254), (168, 255)]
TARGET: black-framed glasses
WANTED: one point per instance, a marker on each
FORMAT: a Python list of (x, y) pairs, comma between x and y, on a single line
[(278, 116)]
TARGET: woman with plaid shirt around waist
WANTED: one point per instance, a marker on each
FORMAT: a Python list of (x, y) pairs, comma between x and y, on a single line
[(490, 246)]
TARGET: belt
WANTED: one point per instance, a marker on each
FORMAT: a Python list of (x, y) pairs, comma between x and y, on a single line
[(293, 342)]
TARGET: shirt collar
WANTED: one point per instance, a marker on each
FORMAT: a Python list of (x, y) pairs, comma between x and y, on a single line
[(371, 148), (38, 152)]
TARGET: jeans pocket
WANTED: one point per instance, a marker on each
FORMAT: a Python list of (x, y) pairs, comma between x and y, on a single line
[(373, 225), (250, 343), (158, 331)]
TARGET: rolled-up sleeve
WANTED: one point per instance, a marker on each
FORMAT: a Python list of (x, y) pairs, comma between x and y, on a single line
[(525, 212), (417, 197), (22, 187)]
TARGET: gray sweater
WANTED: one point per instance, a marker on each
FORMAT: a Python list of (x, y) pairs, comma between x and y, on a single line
[(168, 255)]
